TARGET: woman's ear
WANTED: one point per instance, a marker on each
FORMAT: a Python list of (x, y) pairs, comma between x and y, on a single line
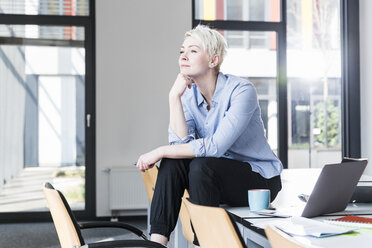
[(215, 61)]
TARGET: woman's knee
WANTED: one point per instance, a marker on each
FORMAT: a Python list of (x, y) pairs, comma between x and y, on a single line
[(203, 184), (201, 169), (171, 166)]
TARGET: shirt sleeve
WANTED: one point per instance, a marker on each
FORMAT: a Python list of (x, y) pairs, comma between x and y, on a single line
[(243, 105), (174, 139)]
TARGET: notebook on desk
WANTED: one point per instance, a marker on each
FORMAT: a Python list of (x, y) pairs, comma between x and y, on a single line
[(332, 191)]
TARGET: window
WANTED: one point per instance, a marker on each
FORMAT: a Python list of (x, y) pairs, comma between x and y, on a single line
[(46, 64), (237, 10), (295, 53), (45, 7), (246, 62), (314, 83)]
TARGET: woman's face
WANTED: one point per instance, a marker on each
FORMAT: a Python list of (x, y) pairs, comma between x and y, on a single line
[(193, 59)]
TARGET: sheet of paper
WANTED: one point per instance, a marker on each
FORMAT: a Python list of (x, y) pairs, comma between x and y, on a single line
[(300, 226)]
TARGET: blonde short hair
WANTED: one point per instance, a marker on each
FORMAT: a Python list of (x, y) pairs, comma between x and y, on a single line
[(212, 41)]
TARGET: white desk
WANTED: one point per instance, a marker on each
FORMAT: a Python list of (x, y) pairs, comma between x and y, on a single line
[(295, 182), (255, 237)]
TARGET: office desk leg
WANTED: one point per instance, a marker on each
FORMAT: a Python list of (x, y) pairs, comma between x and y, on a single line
[(255, 240), (179, 240), (252, 239)]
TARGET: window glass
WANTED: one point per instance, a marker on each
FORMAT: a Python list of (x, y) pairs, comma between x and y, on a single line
[(45, 7), (314, 83), (238, 10), (253, 55), (56, 33), (42, 109)]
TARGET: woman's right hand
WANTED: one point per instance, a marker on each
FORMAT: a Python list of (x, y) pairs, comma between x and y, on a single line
[(147, 161), (179, 86)]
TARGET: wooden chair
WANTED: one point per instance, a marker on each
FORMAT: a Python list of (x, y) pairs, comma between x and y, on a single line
[(149, 178), (214, 227), (278, 239), (68, 229)]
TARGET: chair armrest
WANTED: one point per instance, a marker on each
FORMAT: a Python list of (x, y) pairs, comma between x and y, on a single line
[(109, 224), (124, 243)]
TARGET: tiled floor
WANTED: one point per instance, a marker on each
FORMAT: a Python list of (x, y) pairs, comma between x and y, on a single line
[(36, 235)]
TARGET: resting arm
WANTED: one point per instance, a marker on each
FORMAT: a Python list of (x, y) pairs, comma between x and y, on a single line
[(243, 104), (178, 116), (183, 118), (177, 121), (148, 160)]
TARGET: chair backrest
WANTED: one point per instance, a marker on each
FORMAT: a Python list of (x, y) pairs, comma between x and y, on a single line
[(279, 239), (68, 230), (149, 178), (214, 227), (186, 220)]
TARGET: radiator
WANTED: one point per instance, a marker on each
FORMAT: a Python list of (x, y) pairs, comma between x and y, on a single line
[(127, 190)]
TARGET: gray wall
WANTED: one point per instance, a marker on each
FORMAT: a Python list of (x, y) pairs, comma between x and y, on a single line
[(137, 47), (365, 9)]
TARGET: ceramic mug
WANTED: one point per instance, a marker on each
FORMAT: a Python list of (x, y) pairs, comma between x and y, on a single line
[(258, 199)]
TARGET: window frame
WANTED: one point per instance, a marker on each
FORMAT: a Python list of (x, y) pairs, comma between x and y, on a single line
[(350, 79), (88, 22)]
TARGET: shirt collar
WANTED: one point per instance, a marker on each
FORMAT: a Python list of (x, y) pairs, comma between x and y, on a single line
[(199, 96), (220, 84), (221, 81)]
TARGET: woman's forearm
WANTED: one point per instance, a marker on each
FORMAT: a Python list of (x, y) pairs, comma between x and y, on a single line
[(176, 116), (177, 151), (147, 160)]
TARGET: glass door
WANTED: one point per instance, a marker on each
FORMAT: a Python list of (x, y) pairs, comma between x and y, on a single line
[(42, 113)]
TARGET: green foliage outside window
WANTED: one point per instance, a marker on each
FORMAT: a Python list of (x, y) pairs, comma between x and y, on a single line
[(332, 132)]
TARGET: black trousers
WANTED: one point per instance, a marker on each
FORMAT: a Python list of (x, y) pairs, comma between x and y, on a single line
[(210, 182)]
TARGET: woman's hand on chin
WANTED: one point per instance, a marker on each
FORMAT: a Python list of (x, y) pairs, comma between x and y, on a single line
[(148, 160), (182, 81)]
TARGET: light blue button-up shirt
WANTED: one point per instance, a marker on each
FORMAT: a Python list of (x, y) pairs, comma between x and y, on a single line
[(232, 128)]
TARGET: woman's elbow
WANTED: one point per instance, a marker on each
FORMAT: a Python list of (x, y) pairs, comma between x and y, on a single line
[(214, 151)]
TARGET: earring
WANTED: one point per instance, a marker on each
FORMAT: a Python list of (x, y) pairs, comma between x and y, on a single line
[(211, 65)]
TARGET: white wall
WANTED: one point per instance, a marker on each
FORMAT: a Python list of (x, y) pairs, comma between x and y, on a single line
[(365, 8), (137, 45)]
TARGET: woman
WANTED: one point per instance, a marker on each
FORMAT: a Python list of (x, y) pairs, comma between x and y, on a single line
[(218, 150)]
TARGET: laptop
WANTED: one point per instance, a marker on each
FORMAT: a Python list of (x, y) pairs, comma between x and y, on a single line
[(331, 193), (334, 188)]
